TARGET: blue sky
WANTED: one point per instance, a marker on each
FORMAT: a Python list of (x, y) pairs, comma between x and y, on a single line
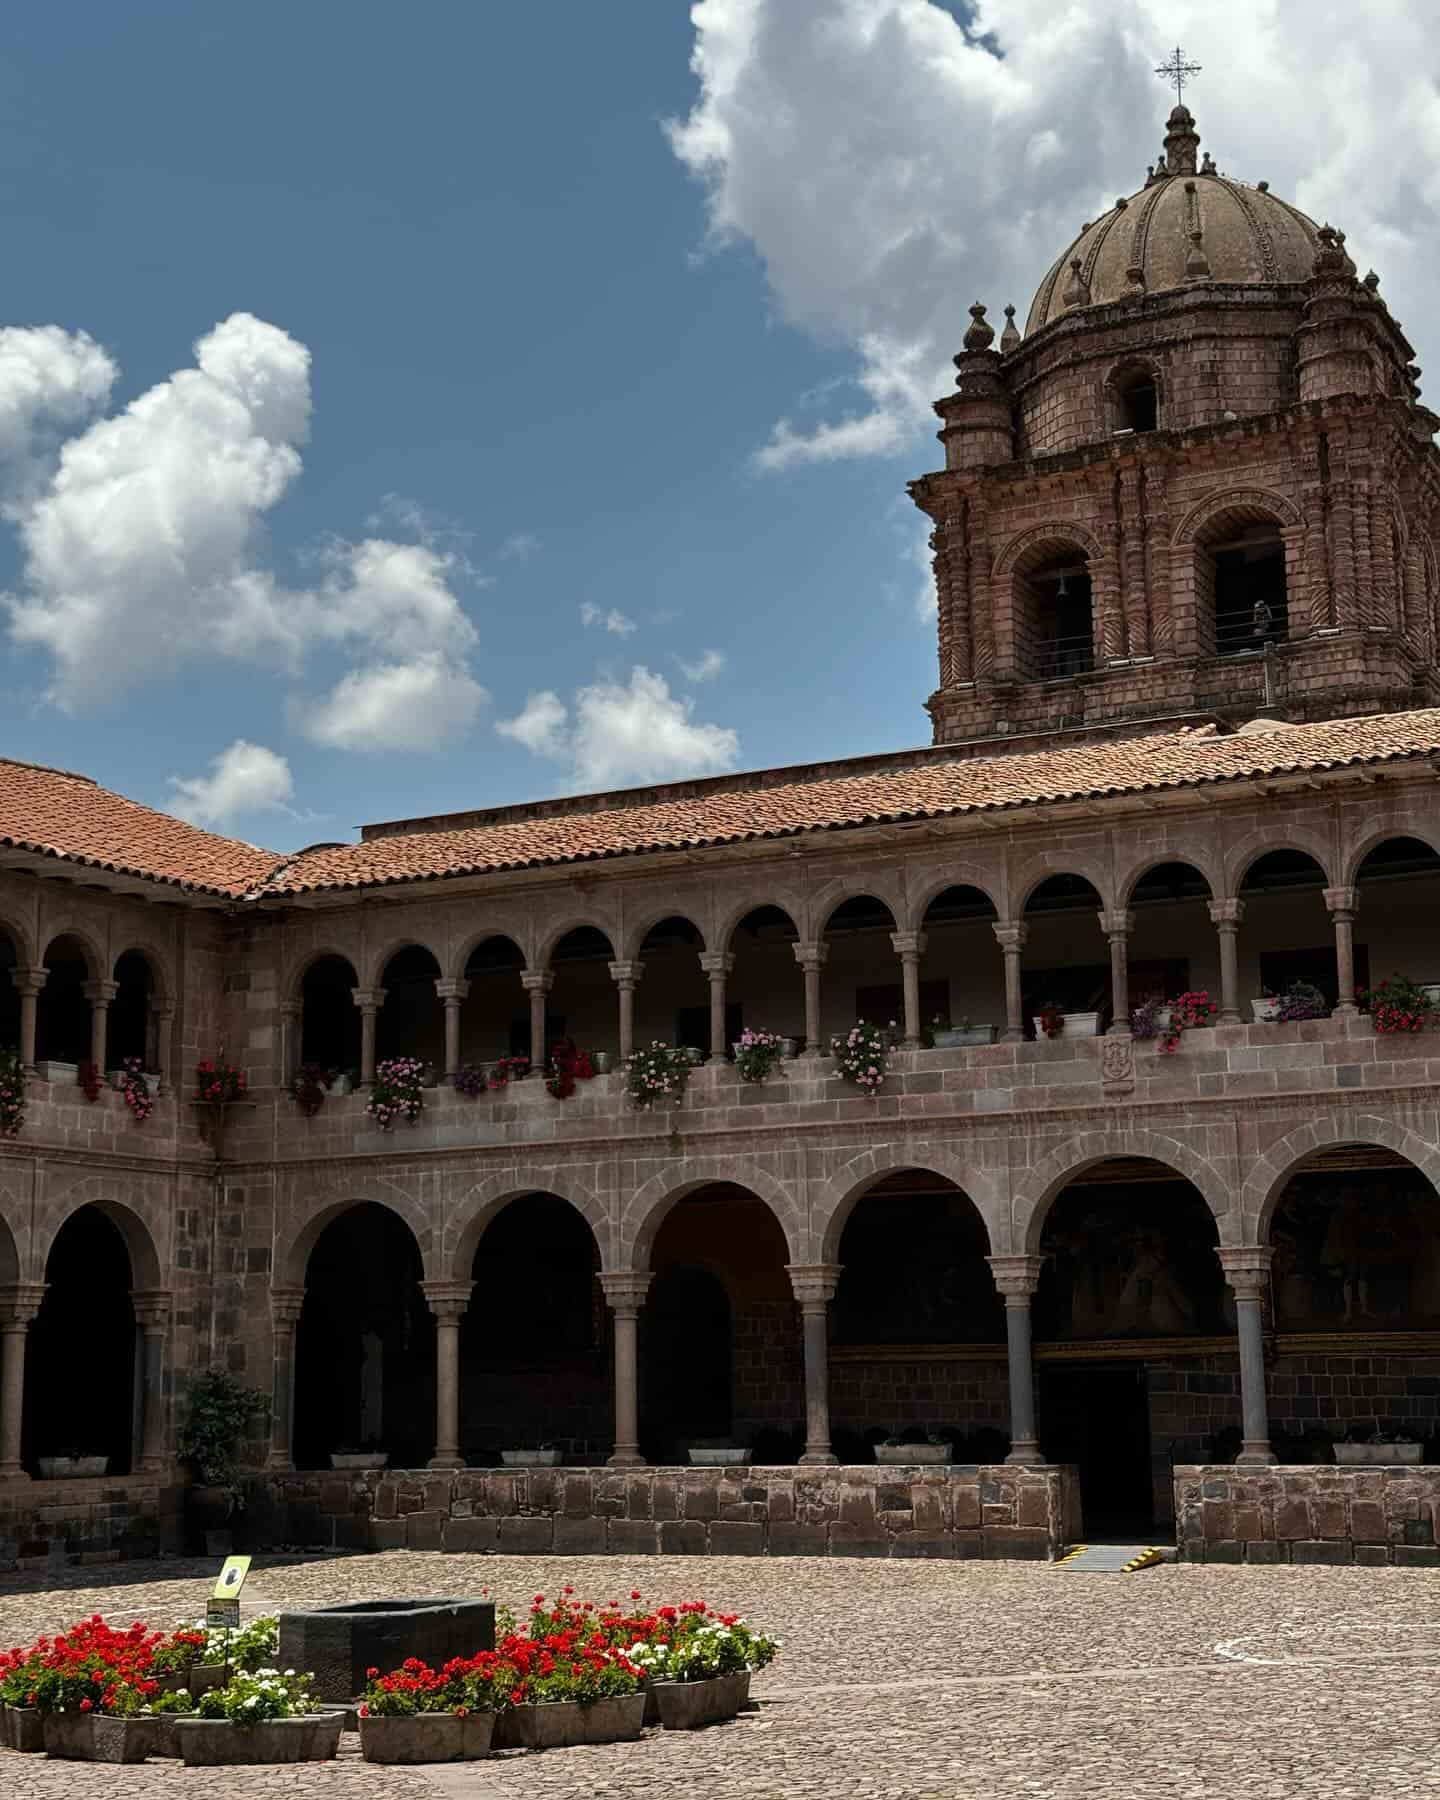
[(534, 447)]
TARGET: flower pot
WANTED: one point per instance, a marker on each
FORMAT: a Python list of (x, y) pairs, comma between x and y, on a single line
[(789, 1048), (617, 1720), (1264, 1011), (204, 1676), (914, 1453), (427, 1738), (1373, 1455), (63, 1074), (1431, 991), (965, 1037), (68, 1735), (340, 1086), (540, 1725), (710, 1456), (25, 1729), (696, 1055), (1163, 1016), (602, 1061), (358, 1459), (72, 1468), (687, 1705), (217, 1743), (1081, 1025), (530, 1459), (127, 1740), (166, 1740)]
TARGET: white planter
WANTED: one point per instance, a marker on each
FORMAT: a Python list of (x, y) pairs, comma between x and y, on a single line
[(72, 1468), (62, 1074), (914, 1453), (1372, 1455), (789, 1048), (965, 1037), (530, 1459), (1263, 1012), (1081, 1025), (1163, 1016), (215, 1743), (340, 1086), (1431, 991), (710, 1456), (695, 1053), (359, 1459), (601, 1060)]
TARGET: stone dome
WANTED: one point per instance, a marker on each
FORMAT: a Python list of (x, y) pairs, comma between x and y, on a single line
[(1186, 224)]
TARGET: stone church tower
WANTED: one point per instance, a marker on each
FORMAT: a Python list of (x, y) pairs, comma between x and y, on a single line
[(1199, 488)]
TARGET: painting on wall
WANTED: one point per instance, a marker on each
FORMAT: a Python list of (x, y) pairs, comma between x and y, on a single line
[(914, 1272), (1357, 1250)]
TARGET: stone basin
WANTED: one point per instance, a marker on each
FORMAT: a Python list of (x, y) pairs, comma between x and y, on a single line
[(339, 1643)]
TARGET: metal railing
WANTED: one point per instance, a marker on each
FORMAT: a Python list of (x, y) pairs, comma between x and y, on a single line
[(1056, 658), (1245, 633)]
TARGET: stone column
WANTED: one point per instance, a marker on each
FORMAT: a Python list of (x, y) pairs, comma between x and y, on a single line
[(1342, 904), (286, 1304), (369, 1000), (1117, 927), (448, 1300), (625, 1291), (291, 1013), (814, 1288), (152, 1315), (537, 983), (454, 994), (1247, 1269), (164, 1017), (1225, 916), (1011, 939), (626, 976), (29, 983), (717, 965), (910, 947), (811, 958), (99, 994), (18, 1306), (1017, 1277)]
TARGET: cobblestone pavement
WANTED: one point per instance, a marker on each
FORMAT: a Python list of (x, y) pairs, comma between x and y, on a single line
[(897, 1681)]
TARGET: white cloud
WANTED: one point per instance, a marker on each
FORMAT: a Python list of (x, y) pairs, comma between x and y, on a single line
[(706, 666), (608, 619), (49, 378), (888, 164), (520, 546), (624, 733), (245, 778), (419, 704)]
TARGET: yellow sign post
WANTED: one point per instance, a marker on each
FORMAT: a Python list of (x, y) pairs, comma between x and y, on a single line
[(222, 1609)]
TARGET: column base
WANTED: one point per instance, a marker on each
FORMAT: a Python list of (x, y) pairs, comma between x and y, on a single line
[(446, 1463), (1013, 1037), (1118, 1029), (1229, 1015), (1256, 1456), (1028, 1451), (819, 1458), (13, 1472), (1347, 1010), (626, 1459)]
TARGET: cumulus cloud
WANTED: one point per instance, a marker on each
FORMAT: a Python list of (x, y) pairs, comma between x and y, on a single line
[(418, 704), (706, 666), (609, 619), (890, 160), (245, 778), (624, 733), (50, 380)]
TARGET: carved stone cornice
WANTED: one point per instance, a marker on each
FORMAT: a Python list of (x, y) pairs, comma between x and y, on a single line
[(813, 1284), (625, 1289), (1016, 1277), (447, 1299)]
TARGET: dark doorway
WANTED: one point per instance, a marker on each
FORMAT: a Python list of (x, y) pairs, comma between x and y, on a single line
[(1097, 1417), (685, 1363)]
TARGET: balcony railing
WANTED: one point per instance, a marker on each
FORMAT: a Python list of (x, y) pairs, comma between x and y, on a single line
[(1056, 658)]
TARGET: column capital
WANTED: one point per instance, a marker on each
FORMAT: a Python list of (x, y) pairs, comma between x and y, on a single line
[(1341, 900), (20, 1301), (100, 993), (537, 981), (286, 1304), (625, 1288), (626, 974), (1226, 914), (368, 999), (447, 1299), (291, 1009), (907, 943), (152, 1308), (813, 1284), (1011, 936), (1117, 924), (716, 963), (1016, 1277), (811, 955), (28, 979), (452, 992), (1247, 1269)]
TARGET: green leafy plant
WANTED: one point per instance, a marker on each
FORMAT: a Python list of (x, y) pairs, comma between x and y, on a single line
[(12, 1091), (862, 1056), (757, 1053), (253, 1696), (396, 1092), (1398, 1004), (656, 1073), (309, 1087), (219, 1412)]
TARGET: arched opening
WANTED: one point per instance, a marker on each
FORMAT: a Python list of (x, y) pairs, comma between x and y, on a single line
[(1355, 1290), (962, 975), (582, 1004), (918, 1326), (1135, 399), (495, 1013), (534, 1364), (412, 1020), (1240, 585), (1054, 620), (365, 1344), (1065, 967), (82, 1394), (1173, 944), (720, 1351), (1287, 940), (9, 993), (1135, 1354), (765, 989), (1398, 890), (62, 1013), (862, 977), (672, 1002), (329, 1017), (131, 1026)]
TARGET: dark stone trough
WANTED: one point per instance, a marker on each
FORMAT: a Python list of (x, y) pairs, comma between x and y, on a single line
[(339, 1643)]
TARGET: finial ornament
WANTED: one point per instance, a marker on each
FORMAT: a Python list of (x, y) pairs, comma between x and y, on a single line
[(1177, 72), (1010, 336), (981, 334)]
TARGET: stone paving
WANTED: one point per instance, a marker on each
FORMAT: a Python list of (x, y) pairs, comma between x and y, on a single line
[(898, 1681)]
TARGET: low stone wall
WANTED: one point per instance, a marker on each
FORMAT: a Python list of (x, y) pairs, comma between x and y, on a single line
[(54, 1523), (963, 1511), (1312, 1513)]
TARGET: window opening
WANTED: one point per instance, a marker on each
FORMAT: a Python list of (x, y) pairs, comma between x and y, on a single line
[(1251, 608)]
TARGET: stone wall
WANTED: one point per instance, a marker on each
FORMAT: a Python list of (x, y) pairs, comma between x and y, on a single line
[(958, 1512), (1308, 1514), (48, 1524)]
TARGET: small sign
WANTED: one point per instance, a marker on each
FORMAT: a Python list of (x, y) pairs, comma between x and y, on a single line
[(222, 1615), (232, 1579)]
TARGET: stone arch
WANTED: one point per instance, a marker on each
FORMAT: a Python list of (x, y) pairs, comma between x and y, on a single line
[(1200, 860), (1249, 505), (299, 1236), (1423, 830), (19, 936), (1272, 1171), (740, 910), (142, 1238), (96, 962), (470, 944), (546, 944), (161, 982), (956, 875), (985, 1189), (886, 888), (1258, 843), (374, 969), (635, 1237), (466, 1221), (636, 934), (1130, 371), (9, 1254), (1034, 874), (1041, 1184), (292, 987), (1031, 546)]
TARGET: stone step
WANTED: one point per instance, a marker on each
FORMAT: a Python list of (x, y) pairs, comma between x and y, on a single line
[(1111, 1559)]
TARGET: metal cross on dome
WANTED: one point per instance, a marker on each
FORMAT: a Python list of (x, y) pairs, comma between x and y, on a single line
[(1177, 71)]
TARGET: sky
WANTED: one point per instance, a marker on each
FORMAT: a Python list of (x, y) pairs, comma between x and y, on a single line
[(408, 410)]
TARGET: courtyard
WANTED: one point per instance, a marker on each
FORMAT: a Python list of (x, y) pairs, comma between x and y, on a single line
[(898, 1680)]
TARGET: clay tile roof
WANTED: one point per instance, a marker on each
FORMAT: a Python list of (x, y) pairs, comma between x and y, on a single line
[(921, 784), (53, 813)]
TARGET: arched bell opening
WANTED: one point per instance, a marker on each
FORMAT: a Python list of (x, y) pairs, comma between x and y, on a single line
[(1054, 616)]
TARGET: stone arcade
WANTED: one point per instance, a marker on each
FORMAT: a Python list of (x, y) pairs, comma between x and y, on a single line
[(1187, 735)]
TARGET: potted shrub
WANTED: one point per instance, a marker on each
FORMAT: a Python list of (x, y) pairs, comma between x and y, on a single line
[(1377, 1449), (508, 1069), (862, 1056), (544, 1456), (1398, 1004), (12, 1091), (567, 1066), (698, 1664), (1302, 1000), (417, 1714), (73, 1465), (267, 1716), (1049, 1022), (657, 1075), (946, 1036), (219, 1413), (1265, 1007), (309, 1086), (914, 1445), (397, 1092), (757, 1053)]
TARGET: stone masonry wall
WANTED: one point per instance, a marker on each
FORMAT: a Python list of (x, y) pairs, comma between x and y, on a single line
[(1308, 1514), (51, 1524)]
